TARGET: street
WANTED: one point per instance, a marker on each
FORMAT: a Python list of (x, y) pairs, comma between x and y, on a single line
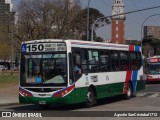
[(56, 52), (146, 100)]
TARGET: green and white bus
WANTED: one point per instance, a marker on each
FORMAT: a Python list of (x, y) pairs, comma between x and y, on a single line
[(48, 75)]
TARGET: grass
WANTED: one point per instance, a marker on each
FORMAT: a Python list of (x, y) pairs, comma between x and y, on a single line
[(7, 79)]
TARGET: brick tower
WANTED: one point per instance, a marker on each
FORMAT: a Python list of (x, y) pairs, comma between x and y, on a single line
[(118, 26)]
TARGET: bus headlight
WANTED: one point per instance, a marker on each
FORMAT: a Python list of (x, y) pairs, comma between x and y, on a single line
[(63, 92), (25, 93)]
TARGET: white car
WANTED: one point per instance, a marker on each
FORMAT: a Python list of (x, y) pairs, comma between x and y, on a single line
[(3, 68)]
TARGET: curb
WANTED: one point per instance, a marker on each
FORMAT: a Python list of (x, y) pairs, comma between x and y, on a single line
[(8, 104)]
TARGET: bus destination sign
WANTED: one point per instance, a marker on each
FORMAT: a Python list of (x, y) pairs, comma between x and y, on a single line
[(154, 60), (43, 47)]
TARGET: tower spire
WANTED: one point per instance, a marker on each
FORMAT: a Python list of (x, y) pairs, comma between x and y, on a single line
[(118, 27)]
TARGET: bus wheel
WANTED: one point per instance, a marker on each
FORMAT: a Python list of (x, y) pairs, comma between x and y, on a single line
[(129, 93), (91, 98)]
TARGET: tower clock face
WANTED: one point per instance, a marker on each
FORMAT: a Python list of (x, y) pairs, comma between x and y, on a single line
[(117, 10)]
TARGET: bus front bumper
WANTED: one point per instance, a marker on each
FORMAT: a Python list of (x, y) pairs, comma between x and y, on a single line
[(45, 101)]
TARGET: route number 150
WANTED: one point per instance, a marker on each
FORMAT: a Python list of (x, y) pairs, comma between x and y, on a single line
[(35, 47)]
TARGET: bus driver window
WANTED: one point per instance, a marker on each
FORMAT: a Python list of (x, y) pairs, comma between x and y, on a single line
[(77, 66)]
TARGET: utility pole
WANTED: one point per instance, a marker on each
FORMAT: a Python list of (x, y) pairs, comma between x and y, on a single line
[(88, 20)]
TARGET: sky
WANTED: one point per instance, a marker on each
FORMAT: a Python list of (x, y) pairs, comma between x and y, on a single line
[(134, 21)]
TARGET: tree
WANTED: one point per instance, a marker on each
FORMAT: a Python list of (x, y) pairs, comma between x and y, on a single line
[(133, 42), (4, 42), (5, 50), (99, 39), (48, 19), (80, 21), (154, 43), (43, 19)]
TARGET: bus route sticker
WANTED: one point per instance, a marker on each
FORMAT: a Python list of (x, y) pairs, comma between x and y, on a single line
[(23, 49), (107, 78)]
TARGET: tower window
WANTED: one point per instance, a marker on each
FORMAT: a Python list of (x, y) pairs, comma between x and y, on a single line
[(117, 22), (117, 36), (118, 1), (116, 28)]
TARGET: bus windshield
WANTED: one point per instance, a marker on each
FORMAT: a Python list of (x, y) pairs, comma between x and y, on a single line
[(39, 69), (154, 68)]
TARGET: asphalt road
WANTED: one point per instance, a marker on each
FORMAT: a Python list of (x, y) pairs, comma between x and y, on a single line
[(146, 100)]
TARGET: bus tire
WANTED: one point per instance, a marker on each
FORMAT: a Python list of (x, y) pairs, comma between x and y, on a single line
[(129, 93), (91, 98)]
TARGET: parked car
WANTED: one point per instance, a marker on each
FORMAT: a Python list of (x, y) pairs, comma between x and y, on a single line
[(15, 68), (3, 68)]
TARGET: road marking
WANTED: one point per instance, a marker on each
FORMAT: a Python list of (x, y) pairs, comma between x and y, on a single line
[(141, 94), (148, 94), (154, 95)]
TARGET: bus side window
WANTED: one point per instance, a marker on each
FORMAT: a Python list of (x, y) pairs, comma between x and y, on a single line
[(93, 61), (77, 67), (114, 60), (104, 60), (139, 60), (133, 61), (123, 61)]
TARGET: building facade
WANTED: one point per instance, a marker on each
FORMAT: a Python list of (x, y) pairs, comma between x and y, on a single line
[(10, 3), (118, 26), (4, 10), (152, 31)]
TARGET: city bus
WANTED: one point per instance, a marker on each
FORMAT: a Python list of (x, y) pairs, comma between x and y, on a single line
[(48, 76), (153, 69)]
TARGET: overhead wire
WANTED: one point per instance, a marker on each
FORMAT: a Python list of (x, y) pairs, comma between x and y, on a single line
[(130, 12), (137, 8), (104, 3)]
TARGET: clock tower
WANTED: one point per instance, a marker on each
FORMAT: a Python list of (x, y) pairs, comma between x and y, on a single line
[(118, 27)]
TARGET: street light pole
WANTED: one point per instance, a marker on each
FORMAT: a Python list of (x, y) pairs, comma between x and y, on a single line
[(93, 25), (143, 25), (88, 20), (12, 24)]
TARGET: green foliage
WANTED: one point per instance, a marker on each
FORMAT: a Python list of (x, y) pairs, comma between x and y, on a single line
[(5, 77), (98, 39), (155, 43), (133, 42), (80, 21), (39, 19), (4, 42)]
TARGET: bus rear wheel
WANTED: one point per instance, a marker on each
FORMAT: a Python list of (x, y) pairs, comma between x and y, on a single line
[(129, 93), (91, 98)]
